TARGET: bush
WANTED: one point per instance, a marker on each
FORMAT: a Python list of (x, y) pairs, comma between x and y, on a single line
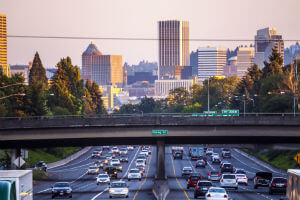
[(39, 175)]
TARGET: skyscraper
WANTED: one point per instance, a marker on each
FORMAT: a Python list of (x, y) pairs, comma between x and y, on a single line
[(245, 59), (3, 45), (104, 69), (265, 40), (173, 46), (211, 62)]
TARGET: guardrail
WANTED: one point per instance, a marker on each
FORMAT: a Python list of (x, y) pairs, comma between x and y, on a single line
[(201, 115)]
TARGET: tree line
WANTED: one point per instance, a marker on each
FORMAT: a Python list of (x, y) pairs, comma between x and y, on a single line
[(65, 94), (270, 89)]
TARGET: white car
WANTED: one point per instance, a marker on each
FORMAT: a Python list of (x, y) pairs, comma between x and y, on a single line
[(140, 162), (118, 189), (209, 151), (216, 193), (134, 174), (93, 170), (103, 178), (115, 150), (229, 181), (242, 179), (114, 161), (130, 148), (145, 152)]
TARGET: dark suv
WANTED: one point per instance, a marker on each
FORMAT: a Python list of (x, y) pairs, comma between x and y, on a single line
[(227, 167), (262, 179), (41, 166), (111, 171), (278, 184), (201, 188), (193, 180), (177, 154)]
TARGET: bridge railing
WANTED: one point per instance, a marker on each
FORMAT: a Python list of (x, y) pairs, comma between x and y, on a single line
[(192, 115)]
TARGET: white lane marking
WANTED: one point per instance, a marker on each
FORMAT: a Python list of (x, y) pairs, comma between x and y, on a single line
[(43, 191), (131, 163), (263, 195), (84, 186), (99, 194), (71, 169), (258, 162), (79, 178), (211, 166)]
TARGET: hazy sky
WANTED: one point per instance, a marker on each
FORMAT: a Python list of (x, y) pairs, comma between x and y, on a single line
[(217, 19)]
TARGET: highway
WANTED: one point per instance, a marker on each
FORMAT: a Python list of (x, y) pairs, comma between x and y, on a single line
[(84, 186)]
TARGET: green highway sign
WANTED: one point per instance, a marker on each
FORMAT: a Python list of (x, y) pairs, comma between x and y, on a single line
[(198, 115), (159, 132), (210, 112), (230, 111)]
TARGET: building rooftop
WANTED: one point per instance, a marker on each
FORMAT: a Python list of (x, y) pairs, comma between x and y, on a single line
[(92, 50)]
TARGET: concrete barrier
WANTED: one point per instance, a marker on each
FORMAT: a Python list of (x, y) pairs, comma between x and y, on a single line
[(160, 189), (69, 158)]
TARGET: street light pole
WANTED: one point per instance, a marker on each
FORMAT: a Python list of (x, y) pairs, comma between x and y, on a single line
[(208, 96), (244, 104), (295, 86)]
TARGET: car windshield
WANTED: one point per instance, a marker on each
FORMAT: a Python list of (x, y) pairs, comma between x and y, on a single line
[(118, 185), (228, 176), (195, 177), (103, 176), (227, 165), (134, 171), (123, 157), (92, 167), (225, 149), (39, 164), (102, 158), (214, 173), (217, 190), (95, 152), (240, 175), (280, 180), (200, 161), (204, 184), (139, 161), (114, 160), (116, 164), (187, 169), (61, 185)]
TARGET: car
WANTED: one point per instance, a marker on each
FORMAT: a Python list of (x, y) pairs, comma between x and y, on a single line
[(118, 189), (201, 188), (145, 152), (113, 161), (214, 154), (61, 189), (95, 154), (262, 179), (115, 150), (108, 158), (177, 154), (118, 166), (216, 193), (229, 181), (209, 151), (214, 176), (41, 165), (140, 162), (103, 178), (223, 162), (99, 151), (143, 157), (111, 171), (193, 180), (239, 171), (278, 185), (200, 163), (227, 167), (242, 179), (107, 148), (216, 160), (134, 174), (186, 171), (93, 170), (226, 153), (124, 158), (141, 168), (130, 148), (123, 151)]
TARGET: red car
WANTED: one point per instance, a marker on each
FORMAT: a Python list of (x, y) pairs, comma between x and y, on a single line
[(193, 180)]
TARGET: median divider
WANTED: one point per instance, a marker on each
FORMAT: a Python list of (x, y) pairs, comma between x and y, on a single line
[(160, 189), (69, 158)]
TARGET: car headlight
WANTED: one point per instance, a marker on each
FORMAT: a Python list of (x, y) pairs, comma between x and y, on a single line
[(125, 190), (111, 191), (69, 191), (115, 172)]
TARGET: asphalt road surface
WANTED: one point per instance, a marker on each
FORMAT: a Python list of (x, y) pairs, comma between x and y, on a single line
[(85, 188)]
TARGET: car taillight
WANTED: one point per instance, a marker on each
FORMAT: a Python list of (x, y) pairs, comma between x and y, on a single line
[(255, 179), (208, 195), (203, 163), (273, 184), (197, 187), (197, 163), (219, 174), (190, 181), (236, 180), (245, 178), (201, 177), (225, 196), (221, 180)]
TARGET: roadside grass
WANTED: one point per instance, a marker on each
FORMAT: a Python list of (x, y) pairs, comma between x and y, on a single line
[(282, 159)]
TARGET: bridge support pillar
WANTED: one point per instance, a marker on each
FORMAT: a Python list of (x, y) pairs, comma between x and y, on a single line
[(160, 164), (13, 157)]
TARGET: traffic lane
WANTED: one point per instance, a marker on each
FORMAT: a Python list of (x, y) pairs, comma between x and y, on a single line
[(79, 179)]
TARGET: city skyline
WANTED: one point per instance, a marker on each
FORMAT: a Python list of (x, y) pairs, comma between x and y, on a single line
[(208, 19)]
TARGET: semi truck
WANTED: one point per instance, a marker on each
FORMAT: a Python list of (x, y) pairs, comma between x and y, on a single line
[(15, 184), (293, 186)]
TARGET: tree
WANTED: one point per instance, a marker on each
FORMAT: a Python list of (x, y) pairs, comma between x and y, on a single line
[(147, 105), (97, 99), (178, 96), (38, 84), (275, 65)]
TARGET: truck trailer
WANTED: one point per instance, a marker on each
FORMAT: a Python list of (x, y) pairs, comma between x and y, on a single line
[(15, 184), (293, 186)]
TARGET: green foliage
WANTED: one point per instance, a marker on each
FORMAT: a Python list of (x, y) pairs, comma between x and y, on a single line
[(39, 175), (178, 96), (93, 99), (147, 105), (128, 109), (275, 65), (60, 111)]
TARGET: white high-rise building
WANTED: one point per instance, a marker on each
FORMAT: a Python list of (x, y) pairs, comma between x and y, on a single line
[(265, 40), (163, 87), (245, 59), (211, 62)]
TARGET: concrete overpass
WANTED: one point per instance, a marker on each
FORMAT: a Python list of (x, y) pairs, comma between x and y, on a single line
[(249, 131)]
